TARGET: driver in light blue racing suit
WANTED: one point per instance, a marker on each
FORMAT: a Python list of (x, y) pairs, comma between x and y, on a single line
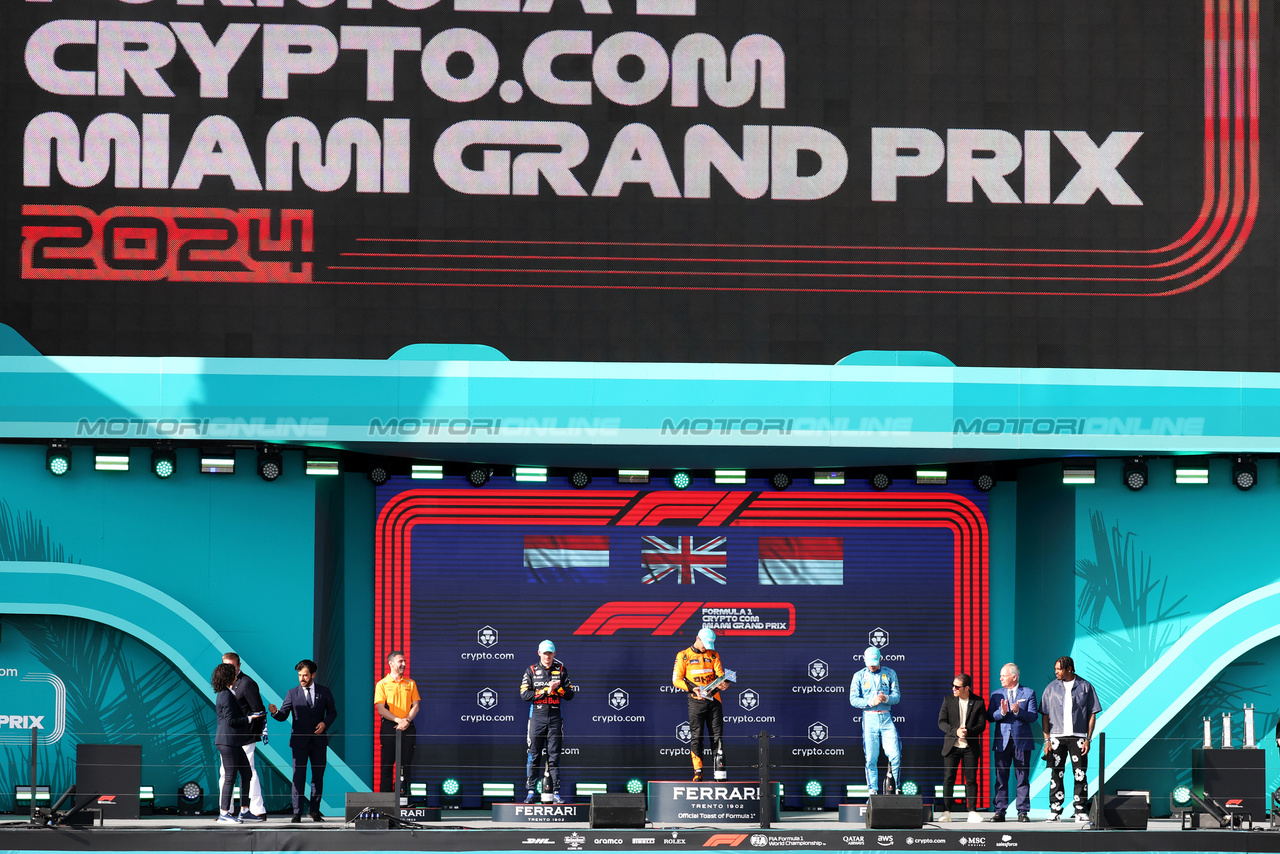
[(875, 690)]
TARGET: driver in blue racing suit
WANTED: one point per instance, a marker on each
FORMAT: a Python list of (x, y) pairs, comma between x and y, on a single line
[(875, 690), (544, 686)]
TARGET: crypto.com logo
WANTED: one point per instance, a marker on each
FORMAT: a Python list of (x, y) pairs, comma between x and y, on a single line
[(487, 636), (619, 699), (666, 618), (818, 670), (487, 698), (878, 637), (749, 699), (818, 732), (683, 733)]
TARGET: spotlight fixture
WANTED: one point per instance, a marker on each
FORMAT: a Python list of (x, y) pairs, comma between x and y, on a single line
[(478, 476), (378, 474), (635, 786), (1135, 473), (984, 481), (911, 788), (731, 476), (633, 475), (417, 794), (270, 465), (880, 481), (530, 474), (579, 479), (491, 793), (190, 798), (828, 478), (424, 471), (164, 463), (450, 788), (1191, 471), (146, 800), (931, 477), (1079, 471), (1244, 473), (780, 480), (58, 459), (217, 462), (811, 797), (1180, 800), (681, 480), (323, 467), (111, 460)]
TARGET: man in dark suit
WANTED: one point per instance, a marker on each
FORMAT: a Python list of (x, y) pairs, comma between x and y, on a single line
[(314, 712), (962, 719), (1012, 709)]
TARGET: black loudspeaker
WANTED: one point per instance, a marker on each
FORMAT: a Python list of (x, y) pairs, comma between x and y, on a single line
[(109, 776), (385, 804), (1122, 812), (894, 812), (618, 811)]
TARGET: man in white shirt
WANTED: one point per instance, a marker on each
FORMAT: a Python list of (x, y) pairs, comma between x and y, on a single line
[(1069, 707)]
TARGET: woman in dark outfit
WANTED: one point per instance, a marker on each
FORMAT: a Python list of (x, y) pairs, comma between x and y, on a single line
[(233, 733)]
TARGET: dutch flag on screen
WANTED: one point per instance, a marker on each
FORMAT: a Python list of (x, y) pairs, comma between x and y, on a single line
[(567, 558), (802, 560)]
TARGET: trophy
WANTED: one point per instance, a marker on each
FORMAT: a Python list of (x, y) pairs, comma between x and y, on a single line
[(706, 691), (1226, 730), (1208, 734), (1249, 738)]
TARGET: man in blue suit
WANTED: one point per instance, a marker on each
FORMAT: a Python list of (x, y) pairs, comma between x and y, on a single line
[(314, 712), (1011, 710)]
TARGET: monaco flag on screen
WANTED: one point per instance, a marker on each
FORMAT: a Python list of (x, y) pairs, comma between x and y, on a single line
[(801, 560), (568, 558)]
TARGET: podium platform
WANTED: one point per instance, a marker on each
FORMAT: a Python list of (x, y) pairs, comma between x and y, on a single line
[(513, 813), (719, 802)]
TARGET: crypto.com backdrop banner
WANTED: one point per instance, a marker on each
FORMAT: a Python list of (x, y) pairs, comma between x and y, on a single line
[(374, 173), (796, 584)]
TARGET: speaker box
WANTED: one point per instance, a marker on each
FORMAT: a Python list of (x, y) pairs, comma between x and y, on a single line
[(1122, 812), (386, 804), (895, 812), (113, 770), (618, 811)]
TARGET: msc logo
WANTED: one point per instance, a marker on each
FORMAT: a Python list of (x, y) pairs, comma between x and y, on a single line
[(818, 670), (487, 637), (818, 732), (878, 637), (487, 698), (619, 699), (729, 840), (682, 732), (749, 699)]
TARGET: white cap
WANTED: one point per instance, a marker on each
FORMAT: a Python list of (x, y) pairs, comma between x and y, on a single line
[(546, 646), (871, 656), (708, 638)]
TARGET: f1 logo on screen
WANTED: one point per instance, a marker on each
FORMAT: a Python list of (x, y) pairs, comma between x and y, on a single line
[(665, 618)]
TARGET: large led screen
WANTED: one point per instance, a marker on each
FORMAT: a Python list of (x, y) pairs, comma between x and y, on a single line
[(1007, 183), (796, 583)]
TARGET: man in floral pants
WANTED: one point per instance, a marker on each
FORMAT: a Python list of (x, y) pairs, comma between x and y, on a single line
[(1068, 708)]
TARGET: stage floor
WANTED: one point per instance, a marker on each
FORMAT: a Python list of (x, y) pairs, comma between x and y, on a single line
[(467, 831)]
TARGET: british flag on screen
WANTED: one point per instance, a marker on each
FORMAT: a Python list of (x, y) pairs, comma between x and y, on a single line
[(683, 558)]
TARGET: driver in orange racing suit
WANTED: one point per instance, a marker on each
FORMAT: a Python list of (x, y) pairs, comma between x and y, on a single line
[(697, 667)]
